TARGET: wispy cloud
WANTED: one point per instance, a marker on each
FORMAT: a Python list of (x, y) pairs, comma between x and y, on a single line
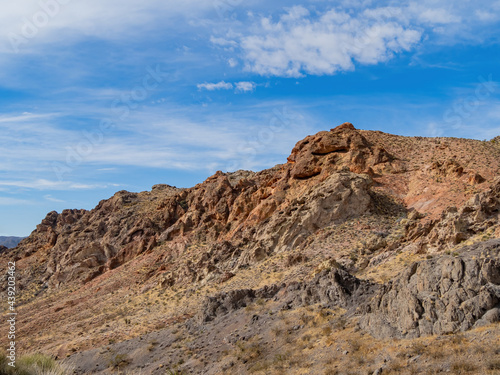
[(42, 184), (35, 23), (24, 117), (215, 86), (169, 136), (107, 169), (243, 86)]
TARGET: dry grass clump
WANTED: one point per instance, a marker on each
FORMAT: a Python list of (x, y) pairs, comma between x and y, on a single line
[(33, 364)]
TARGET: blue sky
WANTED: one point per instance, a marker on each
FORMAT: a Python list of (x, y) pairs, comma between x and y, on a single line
[(101, 96)]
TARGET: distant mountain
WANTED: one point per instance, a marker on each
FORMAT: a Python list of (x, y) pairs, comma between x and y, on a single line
[(10, 242)]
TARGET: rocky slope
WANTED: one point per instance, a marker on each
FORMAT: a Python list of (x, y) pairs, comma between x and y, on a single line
[(357, 225)]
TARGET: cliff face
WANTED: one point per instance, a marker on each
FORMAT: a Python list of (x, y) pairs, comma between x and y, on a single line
[(335, 226)]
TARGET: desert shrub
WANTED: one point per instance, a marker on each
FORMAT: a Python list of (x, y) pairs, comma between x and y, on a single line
[(33, 364), (417, 348), (494, 364), (118, 360)]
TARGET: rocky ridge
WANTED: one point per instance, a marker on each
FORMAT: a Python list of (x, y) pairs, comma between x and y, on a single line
[(359, 224)]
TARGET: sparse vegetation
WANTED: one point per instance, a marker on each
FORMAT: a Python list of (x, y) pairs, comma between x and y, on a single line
[(33, 364), (174, 372)]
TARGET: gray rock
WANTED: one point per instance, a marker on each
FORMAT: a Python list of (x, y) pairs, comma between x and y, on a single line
[(492, 316), (331, 288), (439, 296)]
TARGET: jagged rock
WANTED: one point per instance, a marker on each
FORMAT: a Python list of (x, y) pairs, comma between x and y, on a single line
[(339, 197), (478, 214), (456, 225), (258, 213), (490, 317), (340, 148), (439, 296), (448, 168), (331, 288)]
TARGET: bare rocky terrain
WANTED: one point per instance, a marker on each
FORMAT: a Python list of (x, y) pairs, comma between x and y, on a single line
[(364, 253)]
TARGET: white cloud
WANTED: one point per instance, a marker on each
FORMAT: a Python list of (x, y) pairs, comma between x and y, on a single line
[(42, 153), (26, 116), (245, 86), (295, 13), (107, 169), (215, 86), (322, 39), (299, 44), (223, 42)]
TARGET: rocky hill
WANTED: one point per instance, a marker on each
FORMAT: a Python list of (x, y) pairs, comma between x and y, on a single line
[(361, 238)]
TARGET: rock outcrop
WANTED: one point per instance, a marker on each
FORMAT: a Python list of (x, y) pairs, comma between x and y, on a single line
[(331, 288), (339, 149), (227, 302), (448, 294), (478, 215)]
